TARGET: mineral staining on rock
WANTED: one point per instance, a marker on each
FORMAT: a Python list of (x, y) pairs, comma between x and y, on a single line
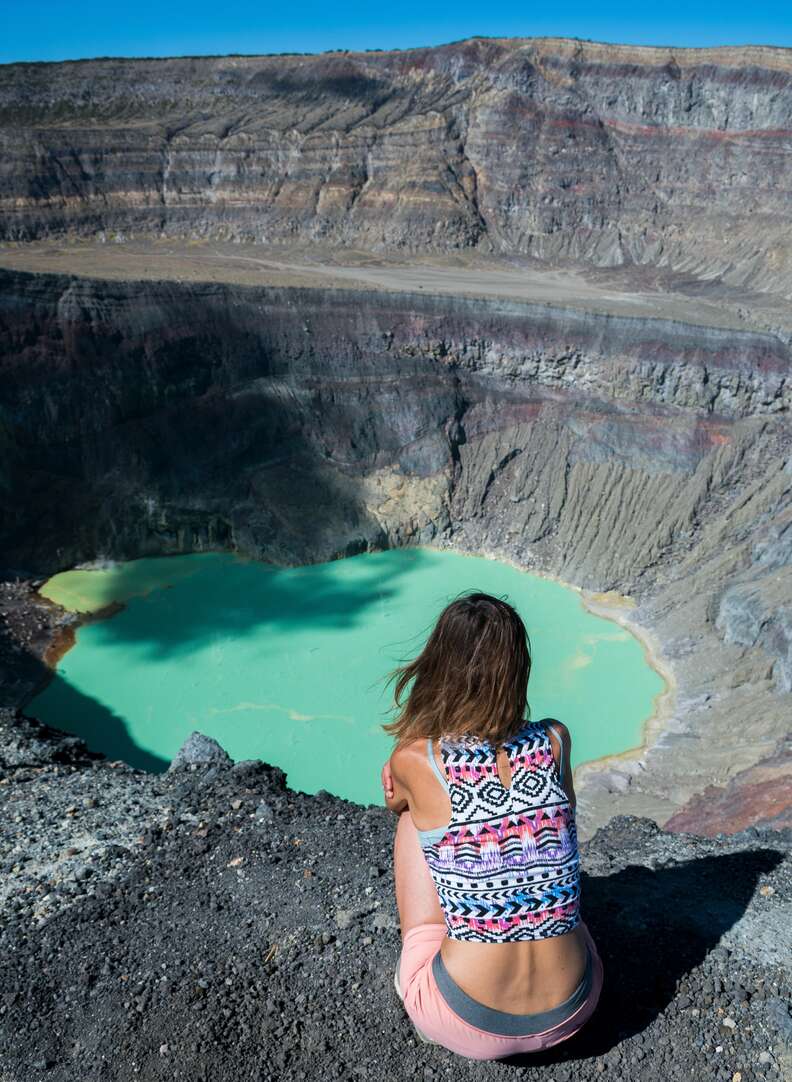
[(553, 148)]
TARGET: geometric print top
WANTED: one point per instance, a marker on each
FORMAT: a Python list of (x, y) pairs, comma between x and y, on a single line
[(506, 867)]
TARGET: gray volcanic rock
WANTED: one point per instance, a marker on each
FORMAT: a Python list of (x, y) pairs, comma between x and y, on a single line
[(549, 147), (198, 749), (171, 929), (757, 607), (27, 742)]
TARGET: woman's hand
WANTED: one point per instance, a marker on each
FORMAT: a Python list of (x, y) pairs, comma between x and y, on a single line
[(391, 786), (387, 780)]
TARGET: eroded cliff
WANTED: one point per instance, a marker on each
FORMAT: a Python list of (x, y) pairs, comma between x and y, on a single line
[(548, 147), (631, 454)]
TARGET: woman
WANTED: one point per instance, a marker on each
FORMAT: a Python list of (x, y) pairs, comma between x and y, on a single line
[(495, 958)]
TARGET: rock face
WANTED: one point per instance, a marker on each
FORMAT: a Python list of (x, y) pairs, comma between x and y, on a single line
[(151, 402), (297, 425), (549, 147)]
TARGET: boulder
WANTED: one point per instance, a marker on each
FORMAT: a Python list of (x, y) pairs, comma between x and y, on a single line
[(199, 750)]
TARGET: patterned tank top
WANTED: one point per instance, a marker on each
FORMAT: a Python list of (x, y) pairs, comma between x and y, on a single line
[(506, 867)]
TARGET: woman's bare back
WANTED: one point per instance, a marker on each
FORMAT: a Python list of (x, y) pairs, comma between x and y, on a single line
[(523, 977)]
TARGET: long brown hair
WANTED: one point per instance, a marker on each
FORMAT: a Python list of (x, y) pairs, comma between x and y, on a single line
[(471, 678)]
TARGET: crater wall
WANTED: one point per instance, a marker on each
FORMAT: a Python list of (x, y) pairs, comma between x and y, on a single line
[(644, 456), (553, 148)]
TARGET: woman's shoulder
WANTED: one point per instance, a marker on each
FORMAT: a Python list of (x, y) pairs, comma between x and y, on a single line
[(406, 753), (560, 731), (543, 724), (559, 726), (556, 731)]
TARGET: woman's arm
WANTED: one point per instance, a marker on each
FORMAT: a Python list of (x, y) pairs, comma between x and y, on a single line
[(393, 785), (564, 756)]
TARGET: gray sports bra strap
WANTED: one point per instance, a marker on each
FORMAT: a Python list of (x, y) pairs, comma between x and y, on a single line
[(561, 742), (433, 761)]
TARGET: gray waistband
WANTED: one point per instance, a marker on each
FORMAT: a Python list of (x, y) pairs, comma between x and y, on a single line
[(502, 1023)]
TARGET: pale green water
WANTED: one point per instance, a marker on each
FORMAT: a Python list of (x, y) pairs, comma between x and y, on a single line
[(288, 665)]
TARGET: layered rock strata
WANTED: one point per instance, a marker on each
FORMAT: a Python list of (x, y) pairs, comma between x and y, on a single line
[(548, 147), (643, 456)]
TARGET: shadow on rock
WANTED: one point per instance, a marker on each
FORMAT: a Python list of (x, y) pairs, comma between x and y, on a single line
[(102, 730), (652, 927)]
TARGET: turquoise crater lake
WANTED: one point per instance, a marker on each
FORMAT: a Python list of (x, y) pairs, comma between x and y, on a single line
[(288, 665)]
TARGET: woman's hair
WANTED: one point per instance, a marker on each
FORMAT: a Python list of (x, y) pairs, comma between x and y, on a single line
[(471, 678)]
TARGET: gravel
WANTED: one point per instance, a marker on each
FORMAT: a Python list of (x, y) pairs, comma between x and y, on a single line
[(208, 923)]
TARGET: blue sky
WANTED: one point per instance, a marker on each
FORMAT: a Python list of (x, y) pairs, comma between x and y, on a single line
[(75, 29)]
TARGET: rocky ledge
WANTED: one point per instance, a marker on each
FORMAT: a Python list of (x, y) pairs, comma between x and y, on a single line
[(210, 924)]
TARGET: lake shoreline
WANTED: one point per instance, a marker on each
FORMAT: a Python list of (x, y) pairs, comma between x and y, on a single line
[(610, 605), (97, 599)]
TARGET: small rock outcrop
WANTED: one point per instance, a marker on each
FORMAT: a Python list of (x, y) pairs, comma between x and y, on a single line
[(199, 750)]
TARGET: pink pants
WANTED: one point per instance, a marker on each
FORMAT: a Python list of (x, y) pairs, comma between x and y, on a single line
[(431, 1014)]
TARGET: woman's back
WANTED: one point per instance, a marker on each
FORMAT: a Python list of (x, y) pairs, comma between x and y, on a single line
[(497, 829)]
